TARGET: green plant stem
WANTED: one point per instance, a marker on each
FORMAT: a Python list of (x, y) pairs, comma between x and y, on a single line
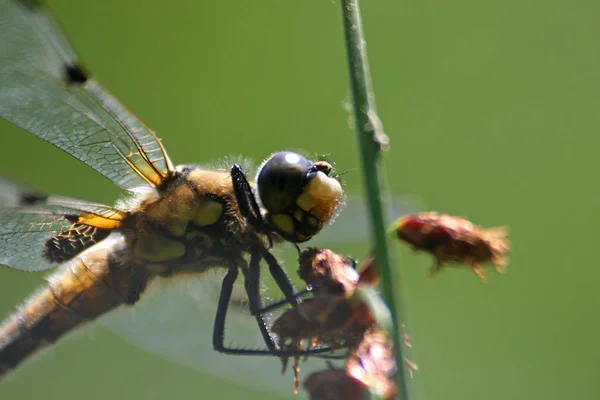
[(372, 140)]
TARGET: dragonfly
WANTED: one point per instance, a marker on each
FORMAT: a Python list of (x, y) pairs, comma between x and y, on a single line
[(179, 221)]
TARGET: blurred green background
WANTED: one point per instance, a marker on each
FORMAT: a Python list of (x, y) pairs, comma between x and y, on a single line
[(492, 109)]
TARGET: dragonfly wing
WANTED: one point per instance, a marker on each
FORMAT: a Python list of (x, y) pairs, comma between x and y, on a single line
[(14, 194), (34, 239), (351, 226), (175, 320), (23, 234), (44, 90), (38, 232)]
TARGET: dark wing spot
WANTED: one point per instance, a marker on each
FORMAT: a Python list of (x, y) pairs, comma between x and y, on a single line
[(31, 198), (75, 74), (71, 217), (69, 243)]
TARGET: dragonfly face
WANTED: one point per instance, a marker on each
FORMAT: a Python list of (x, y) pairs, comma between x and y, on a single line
[(296, 194), (186, 220)]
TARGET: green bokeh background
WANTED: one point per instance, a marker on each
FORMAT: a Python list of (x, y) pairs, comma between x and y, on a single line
[(493, 113)]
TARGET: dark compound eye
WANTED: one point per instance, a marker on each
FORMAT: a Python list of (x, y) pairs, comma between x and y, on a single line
[(281, 180), (298, 195)]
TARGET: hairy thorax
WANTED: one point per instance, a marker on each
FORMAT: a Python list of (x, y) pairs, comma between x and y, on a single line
[(193, 225)]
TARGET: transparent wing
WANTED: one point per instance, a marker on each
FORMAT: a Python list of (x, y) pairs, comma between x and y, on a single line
[(14, 194), (352, 224), (175, 319), (44, 90), (33, 227)]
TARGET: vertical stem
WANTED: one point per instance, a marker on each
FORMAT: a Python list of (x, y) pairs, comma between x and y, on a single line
[(372, 140)]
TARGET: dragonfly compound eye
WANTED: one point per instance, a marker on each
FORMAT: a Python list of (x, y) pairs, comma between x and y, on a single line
[(281, 179), (298, 195)]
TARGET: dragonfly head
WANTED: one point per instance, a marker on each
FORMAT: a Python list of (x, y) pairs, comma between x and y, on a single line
[(299, 196)]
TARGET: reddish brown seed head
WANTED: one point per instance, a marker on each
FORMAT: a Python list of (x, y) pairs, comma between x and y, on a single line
[(410, 229), (453, 239), (327, 271), (426, 230)]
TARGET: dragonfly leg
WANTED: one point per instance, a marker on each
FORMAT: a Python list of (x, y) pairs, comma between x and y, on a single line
[(251, 211), (222, 306), (247, 201), (281, 278), (221, 316), (273, 347), (252, 286), (281, 303)]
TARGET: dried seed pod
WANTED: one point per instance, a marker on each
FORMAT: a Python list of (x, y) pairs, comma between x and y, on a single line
[(373, 364), (334, 384), (334, 318), (327, 271), (328, 318), (453, 239), (369, 369)]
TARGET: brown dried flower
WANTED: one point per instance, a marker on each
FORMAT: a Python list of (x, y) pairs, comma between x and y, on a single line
[(453, 239)]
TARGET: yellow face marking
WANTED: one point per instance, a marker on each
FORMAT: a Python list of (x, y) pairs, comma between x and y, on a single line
[(209, 212), (324, 187), (283, 222), (321, 196), (306, 202)]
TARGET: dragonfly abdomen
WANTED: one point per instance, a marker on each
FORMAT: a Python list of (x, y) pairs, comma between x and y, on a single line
[(80, 291)]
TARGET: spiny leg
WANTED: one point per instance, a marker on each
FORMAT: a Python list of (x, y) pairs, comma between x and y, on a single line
[(281, 278), (281, 303), (252, 286), (251, 211), (273, 349), (246, 200), (221, 315)]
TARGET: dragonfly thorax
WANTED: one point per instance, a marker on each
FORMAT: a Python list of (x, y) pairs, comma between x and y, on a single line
[(194, 224)]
